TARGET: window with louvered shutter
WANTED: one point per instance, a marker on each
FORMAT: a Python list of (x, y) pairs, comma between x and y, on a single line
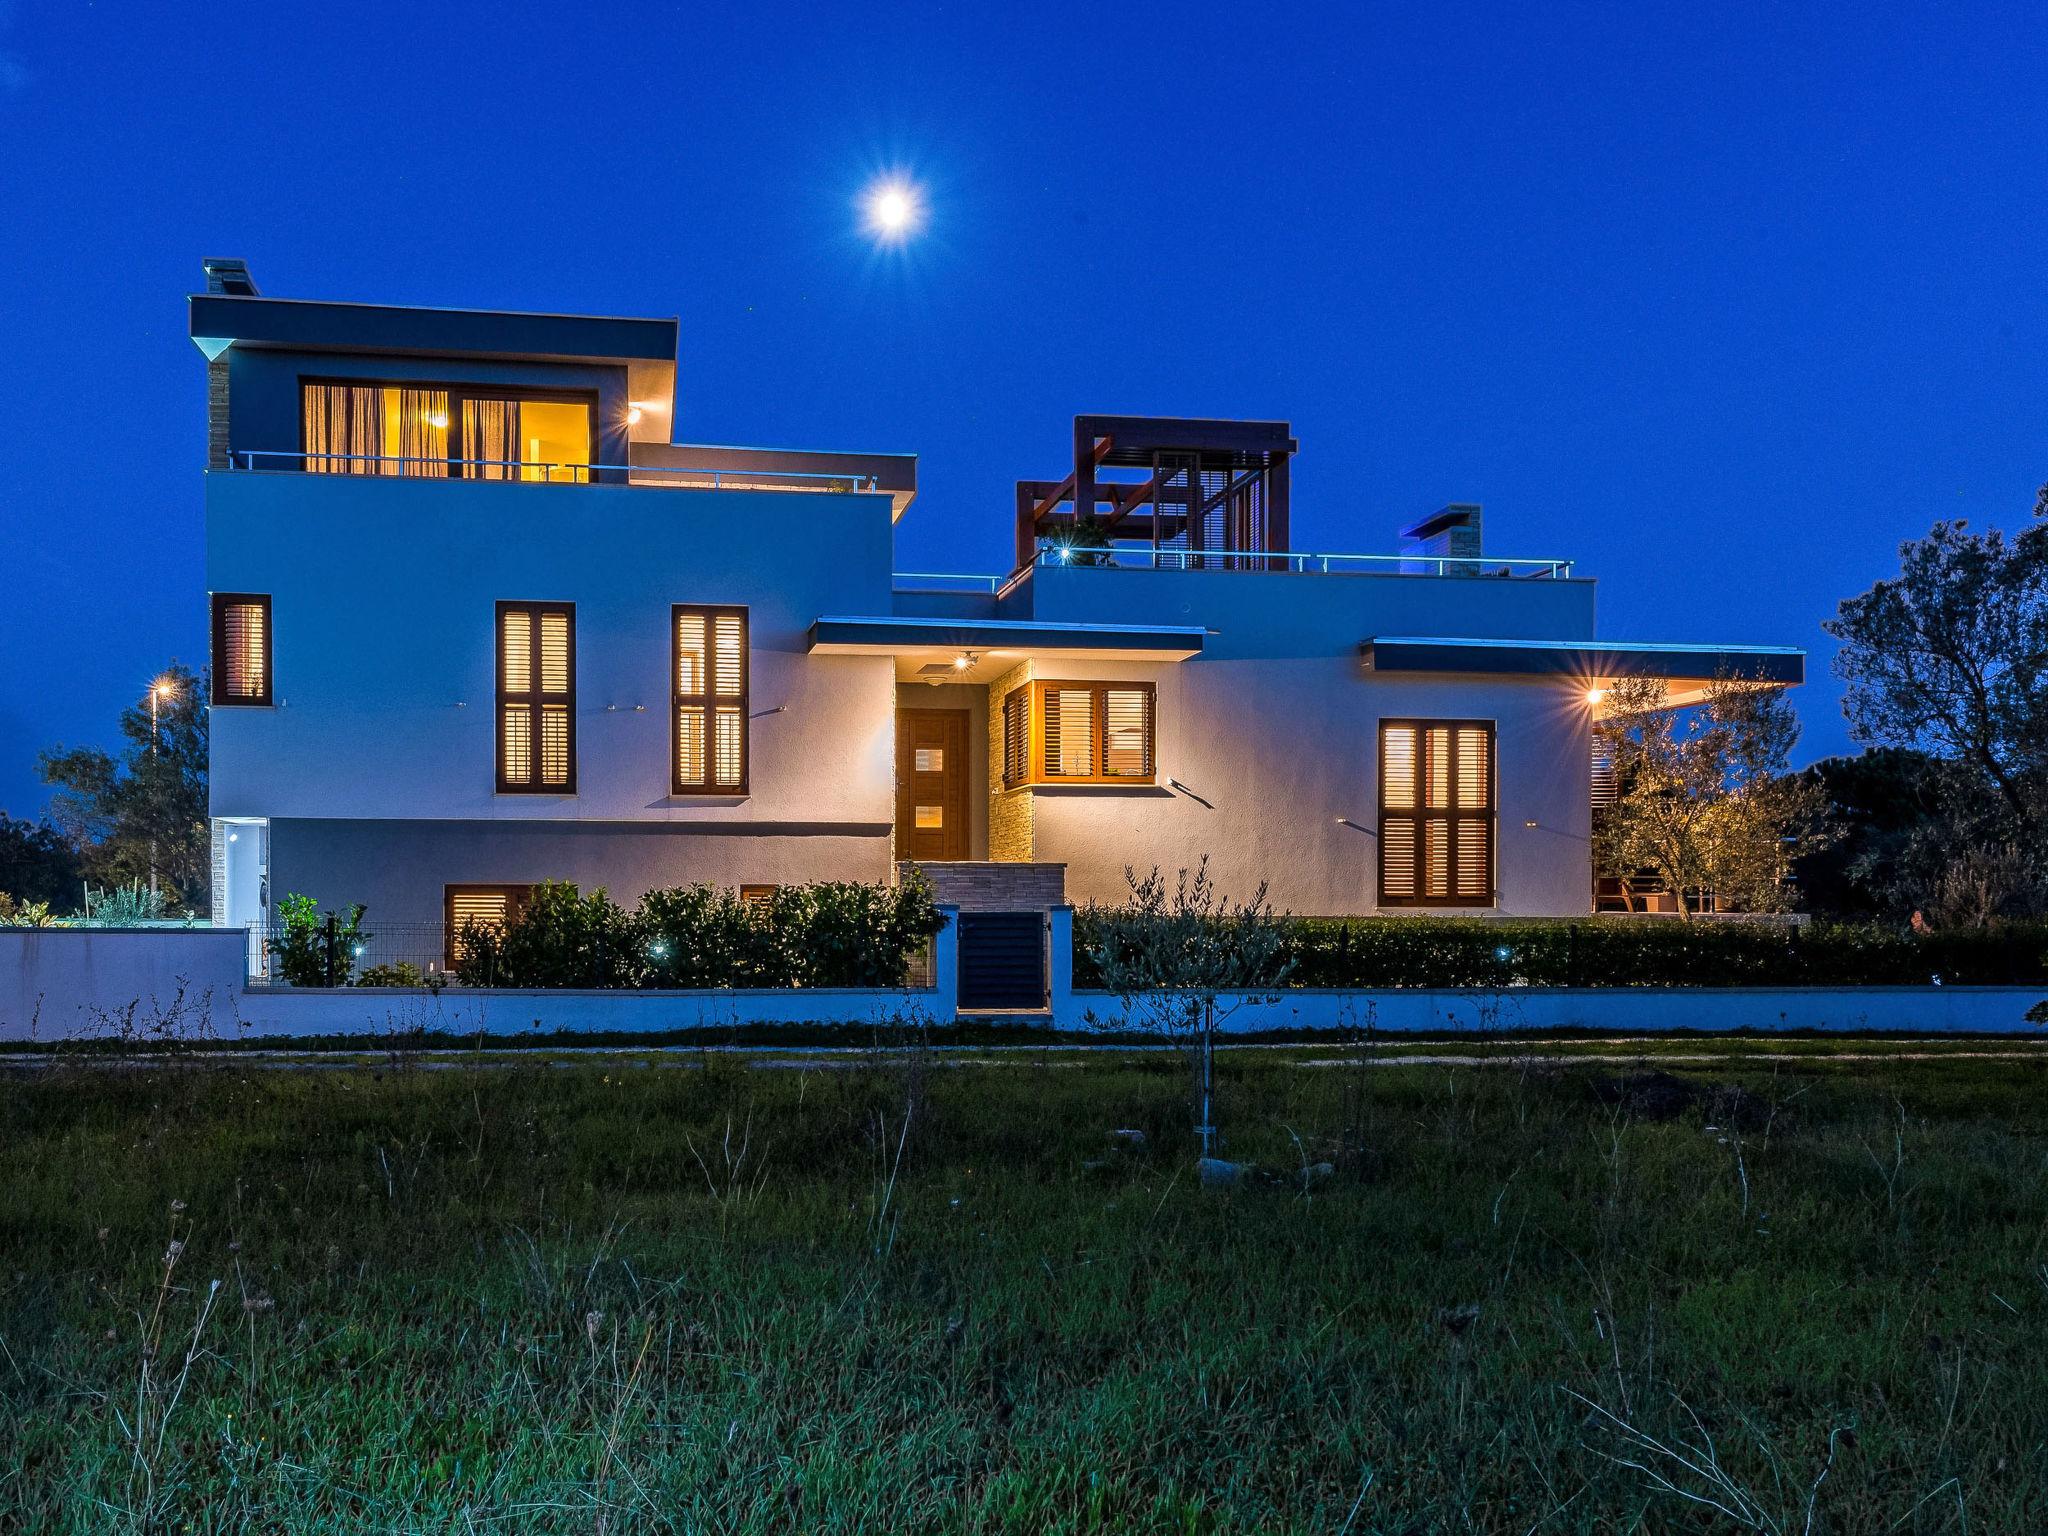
[(1094, 733), (1437, 813), (477, 906), (241, 648), (536, 698), (709, 709)]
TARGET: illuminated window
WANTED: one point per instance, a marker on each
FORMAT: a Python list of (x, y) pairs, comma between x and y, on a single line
[(1437, 813), (470, 907), (443, 430), (536, 698), (241, 648), (1081, 733), (931, 759), (710, 704), (758, 898)]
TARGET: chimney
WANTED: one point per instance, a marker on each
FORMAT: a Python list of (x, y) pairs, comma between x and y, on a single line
[(1449, 533), (229, 275)]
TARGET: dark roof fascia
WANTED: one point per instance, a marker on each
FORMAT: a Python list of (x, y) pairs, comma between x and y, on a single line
[(1584, 658), (320, 326), (1001, 634)]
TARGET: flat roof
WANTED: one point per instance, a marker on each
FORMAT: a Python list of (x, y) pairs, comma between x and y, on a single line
[(1583, 658), (327, 326), (890, 634)]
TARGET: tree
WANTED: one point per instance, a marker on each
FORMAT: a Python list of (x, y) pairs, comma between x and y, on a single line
[(37, 863), (1880, 802), (1950, 658), (142, 817), (1182, 961), (1702, 798)]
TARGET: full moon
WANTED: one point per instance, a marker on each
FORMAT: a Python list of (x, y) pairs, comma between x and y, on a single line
[(893, 209)]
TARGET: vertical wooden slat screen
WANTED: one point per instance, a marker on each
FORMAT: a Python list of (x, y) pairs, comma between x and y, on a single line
[(241, 648), (536, 698), (1437, 813), (710, 706), (1016, 738)]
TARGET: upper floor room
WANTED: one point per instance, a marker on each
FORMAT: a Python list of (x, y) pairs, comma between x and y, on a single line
[(322, 388)]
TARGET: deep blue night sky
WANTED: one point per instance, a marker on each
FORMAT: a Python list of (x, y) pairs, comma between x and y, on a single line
[(1721, 302)]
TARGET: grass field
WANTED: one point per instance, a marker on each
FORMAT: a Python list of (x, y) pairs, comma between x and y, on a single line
[(865, 1293)]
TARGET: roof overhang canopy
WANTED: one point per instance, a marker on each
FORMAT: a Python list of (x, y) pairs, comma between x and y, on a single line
[(1596, 664), (930, 649)]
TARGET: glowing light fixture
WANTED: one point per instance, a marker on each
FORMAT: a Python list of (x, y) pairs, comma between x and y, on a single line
[(894, 209), (633, 416), (1595, 695), (438, 420)]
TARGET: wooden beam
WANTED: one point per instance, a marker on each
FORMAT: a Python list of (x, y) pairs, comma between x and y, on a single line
[(1065, 489), (1122, 507)]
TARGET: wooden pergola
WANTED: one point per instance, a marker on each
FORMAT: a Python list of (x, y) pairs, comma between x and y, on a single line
[(1208, 488)]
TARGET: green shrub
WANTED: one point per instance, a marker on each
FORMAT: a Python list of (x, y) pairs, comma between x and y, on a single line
[(398, 973), (1458, 952), (832, 934), (316, 949), (561, 938)]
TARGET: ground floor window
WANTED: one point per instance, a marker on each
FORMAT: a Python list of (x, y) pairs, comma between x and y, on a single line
[(1079, 733), (1437, 813), (468, 907)]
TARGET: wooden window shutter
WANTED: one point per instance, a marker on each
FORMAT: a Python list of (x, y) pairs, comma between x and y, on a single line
[(480, 906), (1437, 813), (1095, 733), (241, 648), (1016, 737), (536, 698), (711, 681)]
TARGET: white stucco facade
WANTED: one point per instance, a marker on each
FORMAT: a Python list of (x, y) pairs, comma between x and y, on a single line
[(368, 772)]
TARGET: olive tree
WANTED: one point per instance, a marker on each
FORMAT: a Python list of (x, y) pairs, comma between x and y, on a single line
[(1703, 799), (1182, 959)]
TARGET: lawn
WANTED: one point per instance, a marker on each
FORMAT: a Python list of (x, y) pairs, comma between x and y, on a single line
[(883, 1295)]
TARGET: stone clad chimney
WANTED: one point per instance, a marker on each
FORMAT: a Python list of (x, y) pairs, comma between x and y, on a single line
[(1449, 533), (224, 275)]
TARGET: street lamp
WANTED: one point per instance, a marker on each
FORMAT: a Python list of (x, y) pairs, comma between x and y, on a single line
[(159, 690)]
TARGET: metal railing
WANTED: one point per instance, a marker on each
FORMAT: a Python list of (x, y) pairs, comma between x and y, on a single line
[(545, 472), (1145, 557), (943, 581)]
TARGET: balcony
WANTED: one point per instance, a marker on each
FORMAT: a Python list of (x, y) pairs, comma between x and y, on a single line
[(656, 465)]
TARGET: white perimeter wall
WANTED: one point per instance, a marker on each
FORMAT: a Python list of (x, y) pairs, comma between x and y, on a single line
[(78, 983)]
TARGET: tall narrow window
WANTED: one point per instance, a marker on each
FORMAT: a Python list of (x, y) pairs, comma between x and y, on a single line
[(710, 705), (1437, 813), (241, 648), (536, 698), (1094, 733)]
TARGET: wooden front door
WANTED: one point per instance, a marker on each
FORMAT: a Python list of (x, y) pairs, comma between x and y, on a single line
[(931, 783)]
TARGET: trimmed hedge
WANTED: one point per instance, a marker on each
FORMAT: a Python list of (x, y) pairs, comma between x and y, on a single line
[(1385, 952), (832, 934)]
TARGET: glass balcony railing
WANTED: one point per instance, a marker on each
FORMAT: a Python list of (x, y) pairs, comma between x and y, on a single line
[(1052, 552)]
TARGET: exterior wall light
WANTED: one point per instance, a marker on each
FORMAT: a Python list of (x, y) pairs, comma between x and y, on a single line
[(633, 416), (1595, 695)]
